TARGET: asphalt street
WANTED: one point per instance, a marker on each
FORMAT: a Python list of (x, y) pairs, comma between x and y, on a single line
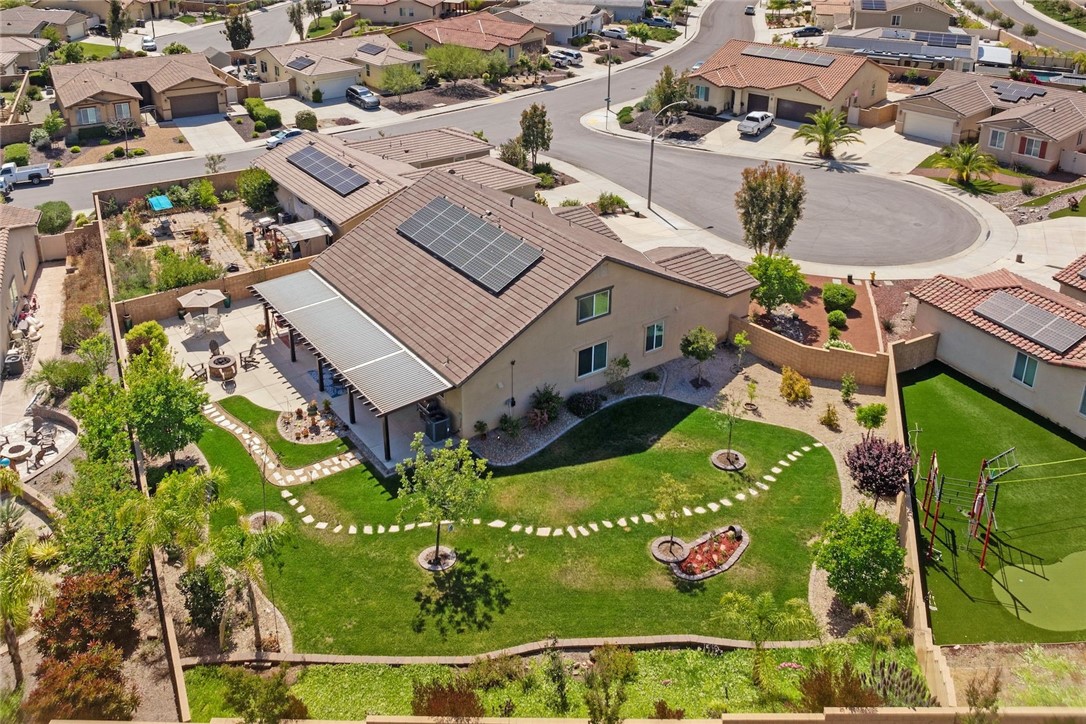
[(849, 217), (1050, 33), (270, 27)]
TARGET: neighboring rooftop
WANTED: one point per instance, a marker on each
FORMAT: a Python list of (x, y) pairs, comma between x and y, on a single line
[(421, 147), (1074, 274), (898, 42), (17, 44), (77, 82), (584, 216), (13, 217), (479, 30), (346, 53), (716, 271), (25, 20), (550, 12), (893, 5), (487, 171)]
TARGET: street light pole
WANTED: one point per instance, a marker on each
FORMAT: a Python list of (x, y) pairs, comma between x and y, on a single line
[(607, 116), (652, 143)]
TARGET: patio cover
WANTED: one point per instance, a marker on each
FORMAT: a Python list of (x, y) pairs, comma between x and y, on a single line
[(303, 230), (384, 372)]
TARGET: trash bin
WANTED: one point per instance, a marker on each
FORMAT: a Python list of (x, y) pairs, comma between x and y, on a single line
[(250, 241), (228, 301), (127, 320)]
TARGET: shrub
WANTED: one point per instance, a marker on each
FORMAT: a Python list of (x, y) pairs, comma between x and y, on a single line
[(254, 134), (570, 202), (80, 327), (55, 217), (610, 203), (879, 467), (835, 333), (837, 319), (452, 701), (337, 16), (58, 377), (34, 93), (848, 387), (39, 138), (861, 555), (139, 151), (547, 399), (1028, 185), (103, 142), (318, 95), (537, 419), (823, 686), (260, 126), (92, 132), (481, 427), (17, 153), (626, 114), (829, 418), (492, 673), (546, 181), (257, 189), (888, 324), (899, 685), (204, 590), (90, 685), (650, 376), (75, 149), (118, 152), (617, 370), (663, 711), (201, 194), (583, 404), (871, 417), (176, 271), (510, 425), (306, 120), (838, 297), (794, 386), (146, 336), (255, 698), (252, 104), (837, 344), (89, 608)]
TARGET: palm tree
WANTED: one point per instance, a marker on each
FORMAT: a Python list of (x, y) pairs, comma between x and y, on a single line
[(882, 626), (1079, 59), (966, 161), (22, 586), (829, 130), (762, 619), (245, 550)]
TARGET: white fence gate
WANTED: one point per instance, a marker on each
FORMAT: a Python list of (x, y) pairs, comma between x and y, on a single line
[(1073, 161), (280, 89)]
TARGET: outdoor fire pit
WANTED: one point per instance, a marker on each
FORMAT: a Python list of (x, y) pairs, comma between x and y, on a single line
[(16, 452), (222, 367)]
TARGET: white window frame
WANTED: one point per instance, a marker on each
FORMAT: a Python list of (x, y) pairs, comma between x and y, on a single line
[(895, 21), (992, 135), (1027, 376), (1034, 144), (701, 93), (592, 296), (22, 266), (592, 351), (122, 110), (88, 111), (1082, 403), (654, 337)]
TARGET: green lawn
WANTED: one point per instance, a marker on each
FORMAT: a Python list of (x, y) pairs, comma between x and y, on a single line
[(319, 28), (96, 51), (264, 422), (1040, 522), (979, 187), (357, 594), (929, 162), (1042, 200), (187, 19), (1068, 212), (1053, 9)]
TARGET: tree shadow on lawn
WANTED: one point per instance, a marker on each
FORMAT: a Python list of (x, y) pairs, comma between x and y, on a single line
[(463, 598)]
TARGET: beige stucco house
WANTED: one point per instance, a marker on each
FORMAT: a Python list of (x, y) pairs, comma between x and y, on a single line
[(19, 260), (21, 54), (1072, 279), (564, 21), (1013, 335), (402, 12), (934, 15), (134, 9), (790, 83), (481, 31), (30, 22)]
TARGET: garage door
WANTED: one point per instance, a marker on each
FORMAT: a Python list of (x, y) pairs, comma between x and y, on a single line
[(930, 128), (757, 103), (198, 104), (794, 110), (336, 87)]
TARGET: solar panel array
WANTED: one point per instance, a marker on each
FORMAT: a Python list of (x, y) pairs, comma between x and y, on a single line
[(1032, 322), (480, 250), (1014, 92), (873, 4), (335, 175), (942, 40), (792, 55), (370, 49), (300, 63)]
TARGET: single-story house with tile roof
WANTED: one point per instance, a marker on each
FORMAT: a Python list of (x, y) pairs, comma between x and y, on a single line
[(30, 22), (489, 172), (1072, 279), (831, 14), (401, 12), (472, 298), (426, 149), (19, 260), (619, 10), (564, 21), (91, 94), (788, 82), (895, 47), (333, 64), (1021, 339), (1045, 134), (99, 9), (19, 54), (481, 31), (933, 15)]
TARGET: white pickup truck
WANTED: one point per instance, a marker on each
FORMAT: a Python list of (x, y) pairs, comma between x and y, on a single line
[(755, 123), (12, 174)]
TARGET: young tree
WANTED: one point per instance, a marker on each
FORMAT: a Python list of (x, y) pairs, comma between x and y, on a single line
[(861, 554), (146, 337), (238, 29), (613, 668), (257, 189), (1029, 30), (871, 417), (670, 496), (204, 591), (497, 66), (668, 90), (245, 550), (762, 619), (102, 411), (92, 537), (698, 344), (400, 79), (96, 352), (315, 8), (780, 281), (512, 152), (90, 609), (827, 130), (982, 698), (967, 162), (22, 107), (882, 625), (848, 387), (262, 700), (742, 344), (117, 22), (53, 123), (296, 17), (455, 62), (71, 54), (89, 685), (51, 34), (536, 130), (879, 467), (165, 405), (770, 203), (123, 127), (640, 33), (22, 586), (447, 484), (732, 410)]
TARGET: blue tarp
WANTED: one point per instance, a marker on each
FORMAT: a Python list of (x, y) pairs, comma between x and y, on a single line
[(160, 203)]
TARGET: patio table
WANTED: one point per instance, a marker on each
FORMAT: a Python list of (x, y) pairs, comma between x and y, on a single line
[(223, 367)]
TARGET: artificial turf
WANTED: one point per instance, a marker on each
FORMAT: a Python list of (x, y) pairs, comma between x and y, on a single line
[(364, 594), (1040, 512)]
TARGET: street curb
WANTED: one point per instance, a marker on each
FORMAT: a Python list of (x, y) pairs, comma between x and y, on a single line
[(1041, 16), (105, 166)]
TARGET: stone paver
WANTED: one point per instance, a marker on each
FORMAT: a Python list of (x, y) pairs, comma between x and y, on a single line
[(321, 526), (308, 519)]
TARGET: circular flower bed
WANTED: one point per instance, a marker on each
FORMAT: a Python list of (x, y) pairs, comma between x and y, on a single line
[(730, 460), (446, 559), (669, 550), (261, 519), (311, 425), (712, 553)]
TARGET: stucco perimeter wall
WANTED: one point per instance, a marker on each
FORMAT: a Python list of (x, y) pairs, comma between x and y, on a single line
[(1009, 715), (124, 194), (823, 364)]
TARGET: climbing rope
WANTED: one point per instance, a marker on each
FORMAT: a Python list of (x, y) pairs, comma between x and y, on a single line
[(1053, 462)]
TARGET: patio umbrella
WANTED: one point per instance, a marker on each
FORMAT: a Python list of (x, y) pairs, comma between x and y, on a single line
[(201, 298)]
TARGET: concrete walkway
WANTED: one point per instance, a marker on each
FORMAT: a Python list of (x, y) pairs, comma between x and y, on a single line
[(49, 287)]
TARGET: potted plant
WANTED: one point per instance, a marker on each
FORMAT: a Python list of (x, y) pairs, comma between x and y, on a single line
[(298, 414), (312, 410), (327, 405), (480, 428), (261, 329)]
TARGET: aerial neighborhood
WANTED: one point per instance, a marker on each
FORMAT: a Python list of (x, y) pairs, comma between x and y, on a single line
[(472, 360)]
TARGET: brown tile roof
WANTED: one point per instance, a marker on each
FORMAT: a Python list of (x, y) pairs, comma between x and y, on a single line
[(385, 176), (451, 323), (487, 171), (421, 147), (76, 83), (959, 297), (12, 216), (28, 14), (1058, 118), (480, 30), (1074, 274), (24, 45), (379, 3), (717, 271), (548, 12), (344, 52), (729, 68), (584, 216), (892, 5)]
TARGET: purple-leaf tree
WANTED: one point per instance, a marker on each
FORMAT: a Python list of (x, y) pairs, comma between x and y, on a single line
[(879, 467)]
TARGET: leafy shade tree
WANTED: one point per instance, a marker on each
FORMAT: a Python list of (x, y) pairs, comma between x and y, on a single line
[(261, 700), (699, 344), (257, 189), (176, 49), (165, 405), (146, 337), (871, 417), (447, 484), (967, 162), (827, 130), (882, 627), (400, 79), (296, 17), (455, 62), (90, 685), (670, 496), (116, 23), (238, 29), (89, 609), (96, 353), (512, 152), (640, 33), (91, 536), (536, 130), (102, 411), (613, 668), (860, 552), (879, 467), (762, 619), (780, 281), (53, 123), (770, 204), (71, 54), (668, 90), (51, 34), (22, 586)]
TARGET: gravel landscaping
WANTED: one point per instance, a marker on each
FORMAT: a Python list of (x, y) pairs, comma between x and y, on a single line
[(689, 129), (155, 140)]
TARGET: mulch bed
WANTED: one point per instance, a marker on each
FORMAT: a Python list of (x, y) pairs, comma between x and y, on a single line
[(245, 128), (444, 95), (812, 329), (893, 302), (623, 51), (689, 129), (1010, 202)]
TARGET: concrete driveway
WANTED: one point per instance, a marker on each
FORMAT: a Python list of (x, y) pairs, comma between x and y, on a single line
[(330, 111), (213, 134)]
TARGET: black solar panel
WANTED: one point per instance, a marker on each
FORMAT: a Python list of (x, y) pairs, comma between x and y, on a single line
[(939, 40), (480, 250), (873, 5), (370, 49), (1038, 325), (791, 55), (300, 63), (1014, 92), (332, 173)]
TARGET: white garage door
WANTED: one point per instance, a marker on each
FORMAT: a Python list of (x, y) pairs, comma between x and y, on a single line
[(336, 87), (930, 128)]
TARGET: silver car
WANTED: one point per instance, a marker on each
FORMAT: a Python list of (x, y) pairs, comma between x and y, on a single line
[(363, 97)]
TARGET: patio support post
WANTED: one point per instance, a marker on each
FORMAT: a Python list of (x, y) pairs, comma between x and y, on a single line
[(388, 447), (350, 404), (320, 374), (293, 354), (267, 322)]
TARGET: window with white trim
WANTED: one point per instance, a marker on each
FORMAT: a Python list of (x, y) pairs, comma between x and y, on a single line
[(654, 337), (592, 360), (1025, 369), (122, 110), (22, 266), (701, 93), (997, 139), (86, 116), (1032, 147), (1082, 403), (594, 305), (895, 20)]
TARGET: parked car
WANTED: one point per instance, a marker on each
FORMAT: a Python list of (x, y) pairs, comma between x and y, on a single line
[(558, 59), (363, 97), (697, 66), (808, 32), (148, 43), (748, 10), (12, 174), (283, 136), (659, 22), (755, 123), (100, 29), (573, 56), (615, 31)]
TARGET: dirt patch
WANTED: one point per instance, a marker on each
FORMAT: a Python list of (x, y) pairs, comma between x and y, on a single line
[(439, 96), (806, 322), (892, 301), (1012, 203), (689, 128), (1031, 675), (154, 140)]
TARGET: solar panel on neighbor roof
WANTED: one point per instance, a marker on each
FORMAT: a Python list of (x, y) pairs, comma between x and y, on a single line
[(370, 49), (300, 63), (332, 173), (791, 55), (873, 4), (480, 250), (1035, 324)]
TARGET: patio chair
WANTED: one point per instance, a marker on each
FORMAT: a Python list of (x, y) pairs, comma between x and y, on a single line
[(198, 371), (213, 322), (35, 430), (249, 360), (48, 436), (48, 446), (213, 346), (36, 462)]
